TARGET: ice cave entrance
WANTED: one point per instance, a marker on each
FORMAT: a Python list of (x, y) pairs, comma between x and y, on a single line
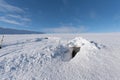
[(75, 50)]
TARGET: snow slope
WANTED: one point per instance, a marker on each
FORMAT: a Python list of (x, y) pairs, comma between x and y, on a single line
[(48, 57)]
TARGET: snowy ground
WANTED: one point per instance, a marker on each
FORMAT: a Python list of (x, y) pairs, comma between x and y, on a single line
[(48, 57)]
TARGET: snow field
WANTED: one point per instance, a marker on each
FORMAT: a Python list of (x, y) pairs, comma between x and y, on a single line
[(47, 57)]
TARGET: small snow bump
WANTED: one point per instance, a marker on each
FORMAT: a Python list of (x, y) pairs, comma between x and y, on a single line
[(98, 45)]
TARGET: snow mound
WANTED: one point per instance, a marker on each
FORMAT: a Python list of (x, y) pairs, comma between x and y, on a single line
[(77, 42), (73, 48), (80, 42)]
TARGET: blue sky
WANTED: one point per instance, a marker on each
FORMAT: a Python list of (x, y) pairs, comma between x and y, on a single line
[(61, 16)]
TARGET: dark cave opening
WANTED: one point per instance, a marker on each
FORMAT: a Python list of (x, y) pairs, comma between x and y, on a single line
[(75, 51)]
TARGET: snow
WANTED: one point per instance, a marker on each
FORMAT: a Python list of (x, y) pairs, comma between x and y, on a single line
[(78, 42), (48, 57)]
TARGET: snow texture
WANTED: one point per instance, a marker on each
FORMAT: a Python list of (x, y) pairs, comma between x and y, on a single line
[(48, 57)]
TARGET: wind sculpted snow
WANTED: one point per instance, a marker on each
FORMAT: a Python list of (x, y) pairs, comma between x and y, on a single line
[(48, 57)]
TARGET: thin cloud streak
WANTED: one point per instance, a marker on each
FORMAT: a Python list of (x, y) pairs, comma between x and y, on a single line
[(4, 19), (19, 17), (5, 7), (12, 14)]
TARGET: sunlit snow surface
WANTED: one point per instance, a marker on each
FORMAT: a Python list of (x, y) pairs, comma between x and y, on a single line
[(48, 57)]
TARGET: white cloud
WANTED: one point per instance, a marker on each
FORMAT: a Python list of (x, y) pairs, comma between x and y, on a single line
[(66, 29), (12, 14), (4, 19), (19, 17), (15, 19), (5, 7)]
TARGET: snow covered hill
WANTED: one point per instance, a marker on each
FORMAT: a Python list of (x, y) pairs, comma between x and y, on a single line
[(14, 31), (50, 57)]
